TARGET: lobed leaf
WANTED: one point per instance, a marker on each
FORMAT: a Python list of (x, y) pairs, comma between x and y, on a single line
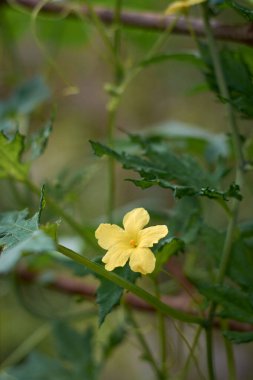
[(159, 166)]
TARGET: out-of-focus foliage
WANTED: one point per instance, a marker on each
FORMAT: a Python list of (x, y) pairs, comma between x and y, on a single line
[(172, 158)]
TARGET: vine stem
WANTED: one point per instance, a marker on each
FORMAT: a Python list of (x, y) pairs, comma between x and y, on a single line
[(227, 248), (162, 335), (145, 347), (112, 107), (138, 291), (192, 356)]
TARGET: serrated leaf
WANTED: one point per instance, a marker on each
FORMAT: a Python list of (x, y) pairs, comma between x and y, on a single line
[(182, 174), (238, 337), (10, 158), (183, 191), (165, 249), (18, 235), (235, 304), (109, 294)]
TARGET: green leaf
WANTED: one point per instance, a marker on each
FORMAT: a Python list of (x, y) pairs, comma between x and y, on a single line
[(18, 235), (234, 303), (183, 191), (165, 249), (186, 225), (38, 141), (10, 158), (212, 243), (77, 349), (109, 294), (192, 138), (238, 78), (188, 57), (40, 367), (26, 98), (159, 166), (74, 359), (238, 337), (241, 9), (241, 264)]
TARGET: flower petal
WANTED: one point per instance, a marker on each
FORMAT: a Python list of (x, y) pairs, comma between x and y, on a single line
[(151, 235), (136, 219), (179, 6), (109, 235), (142, 260), (117, 256)]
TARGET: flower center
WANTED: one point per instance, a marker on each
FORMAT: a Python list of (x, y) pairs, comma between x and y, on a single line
[(133, 243)]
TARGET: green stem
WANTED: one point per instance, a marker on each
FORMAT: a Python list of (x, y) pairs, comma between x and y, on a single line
[(224, 92), (117, 41), (139, 292), (162, 335), (227, 248), (230, 360), (112, 108), (100, 28), (111, 163), (146, 350), (209, 350), (192, 356)]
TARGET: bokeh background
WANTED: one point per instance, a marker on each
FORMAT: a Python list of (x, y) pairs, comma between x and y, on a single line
[(70, 56)]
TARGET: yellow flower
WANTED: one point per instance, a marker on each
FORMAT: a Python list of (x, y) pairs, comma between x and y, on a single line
[(131, 243), (179, 6)]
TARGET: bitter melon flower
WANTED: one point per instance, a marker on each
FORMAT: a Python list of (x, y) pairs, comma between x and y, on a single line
[(181, 6), (133, 242)]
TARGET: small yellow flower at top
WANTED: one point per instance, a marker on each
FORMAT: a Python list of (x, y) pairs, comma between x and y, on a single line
[(131, 243), (181, 6)]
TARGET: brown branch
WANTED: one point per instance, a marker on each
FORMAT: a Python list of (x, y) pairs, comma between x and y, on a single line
[(75, 286), (151, 21)]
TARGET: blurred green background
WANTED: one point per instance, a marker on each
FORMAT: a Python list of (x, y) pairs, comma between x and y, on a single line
[(70, 55)]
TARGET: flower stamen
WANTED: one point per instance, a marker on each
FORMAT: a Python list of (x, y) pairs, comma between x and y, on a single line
[(133, 243)]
